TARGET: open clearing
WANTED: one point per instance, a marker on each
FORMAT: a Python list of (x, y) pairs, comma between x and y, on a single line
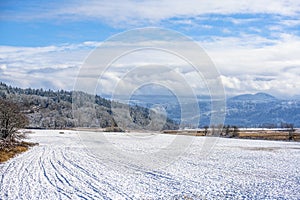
[(62, 168)]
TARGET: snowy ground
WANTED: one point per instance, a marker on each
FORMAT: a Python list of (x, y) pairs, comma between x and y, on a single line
[(61, 167)]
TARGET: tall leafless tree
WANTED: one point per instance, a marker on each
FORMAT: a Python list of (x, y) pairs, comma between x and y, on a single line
[(11, 120)]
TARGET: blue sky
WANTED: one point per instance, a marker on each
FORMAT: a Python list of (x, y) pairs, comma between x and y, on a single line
[(254, 44)]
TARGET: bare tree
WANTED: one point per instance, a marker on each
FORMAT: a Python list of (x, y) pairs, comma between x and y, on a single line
[(206, 129), (235, 131), (11, 119), (291, 131)]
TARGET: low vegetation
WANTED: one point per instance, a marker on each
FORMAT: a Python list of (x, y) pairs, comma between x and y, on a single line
[(10, 149), (270, 135), (285, 134), (11, 120)]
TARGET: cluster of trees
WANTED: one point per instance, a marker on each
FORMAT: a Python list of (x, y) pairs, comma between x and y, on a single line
[(65, 109), (222, 130), (230, 131)]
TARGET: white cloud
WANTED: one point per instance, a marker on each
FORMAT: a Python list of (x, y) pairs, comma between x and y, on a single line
[(3, 67), (248, 64), (49, 67), (157, 10), (132, 12), (290, 22), (254, 64)]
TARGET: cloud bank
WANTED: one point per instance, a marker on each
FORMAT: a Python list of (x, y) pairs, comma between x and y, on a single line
[(245, 65), (254, 44)]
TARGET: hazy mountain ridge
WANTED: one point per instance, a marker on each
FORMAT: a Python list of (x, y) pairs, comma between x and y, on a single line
[(270, 112), (254, 97), (247, 110)]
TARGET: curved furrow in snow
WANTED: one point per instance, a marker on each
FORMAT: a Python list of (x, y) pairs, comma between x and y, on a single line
[(4, 169), (49, 176), (72, 185), (92, 172), (77, 181), (29, 179), (160, 180), (15, 175)]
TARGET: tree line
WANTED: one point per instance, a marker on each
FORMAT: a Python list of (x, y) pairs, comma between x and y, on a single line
[(66, 109)]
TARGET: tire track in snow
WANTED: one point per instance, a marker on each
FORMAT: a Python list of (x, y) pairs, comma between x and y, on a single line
[(21, 165), (27, 179), (57, 179), (68, 176), (132, 170), (70, 172), (46, 175), (91, 171)]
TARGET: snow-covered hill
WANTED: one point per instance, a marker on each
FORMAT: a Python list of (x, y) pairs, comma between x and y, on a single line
[(61, 167)]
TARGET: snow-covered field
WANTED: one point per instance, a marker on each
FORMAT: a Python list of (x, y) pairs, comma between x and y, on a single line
[(62, 167)]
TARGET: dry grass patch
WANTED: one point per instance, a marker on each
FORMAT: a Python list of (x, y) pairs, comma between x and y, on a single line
[(185, 132), (10, 149), (296, 137), (266, 135)]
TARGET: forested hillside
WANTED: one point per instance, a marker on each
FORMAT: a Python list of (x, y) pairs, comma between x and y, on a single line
[(54, 109)]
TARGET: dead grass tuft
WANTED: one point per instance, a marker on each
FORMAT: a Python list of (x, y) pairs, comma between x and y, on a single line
[(9, 150)]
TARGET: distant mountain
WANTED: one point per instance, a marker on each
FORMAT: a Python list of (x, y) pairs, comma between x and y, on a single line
[(248, 110), (265, 111), (254, 97), (65, 109)]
